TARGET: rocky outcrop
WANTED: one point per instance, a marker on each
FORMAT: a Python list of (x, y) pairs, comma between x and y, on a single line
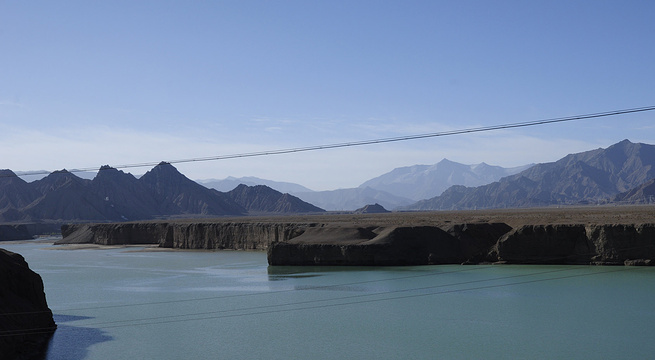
[(26, 322), (371, 209), (623, 244), (544, 244)]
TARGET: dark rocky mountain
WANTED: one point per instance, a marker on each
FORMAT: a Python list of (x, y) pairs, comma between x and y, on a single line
[(178, 195), (261, 198), (127, 197), (372, 209), (590, 176), (15, 194), (113, 195), (425, 181), (66, 196)]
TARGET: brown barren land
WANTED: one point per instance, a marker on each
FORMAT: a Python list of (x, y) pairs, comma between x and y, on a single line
[(637, 214)]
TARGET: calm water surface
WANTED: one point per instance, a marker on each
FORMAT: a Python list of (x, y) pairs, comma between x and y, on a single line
[(130, 303)]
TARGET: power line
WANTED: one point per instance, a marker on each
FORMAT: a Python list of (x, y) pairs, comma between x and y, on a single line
[(370, 142)]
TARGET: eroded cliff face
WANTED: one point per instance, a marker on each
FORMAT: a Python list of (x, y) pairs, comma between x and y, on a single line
[(349, 244), (237, 236), (196, 235), (26, 322)]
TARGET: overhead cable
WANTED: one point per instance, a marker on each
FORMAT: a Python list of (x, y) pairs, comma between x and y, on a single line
[(370, 142)]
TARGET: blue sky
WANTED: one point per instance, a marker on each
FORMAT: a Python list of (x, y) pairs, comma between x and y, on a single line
[(88, 83)]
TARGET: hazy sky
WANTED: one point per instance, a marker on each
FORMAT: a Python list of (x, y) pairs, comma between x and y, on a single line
[(88, 83)]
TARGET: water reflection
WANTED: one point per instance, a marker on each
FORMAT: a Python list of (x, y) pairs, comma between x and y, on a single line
[(73, 342)]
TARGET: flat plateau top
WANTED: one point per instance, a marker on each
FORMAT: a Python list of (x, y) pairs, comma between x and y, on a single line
[(638, 214)]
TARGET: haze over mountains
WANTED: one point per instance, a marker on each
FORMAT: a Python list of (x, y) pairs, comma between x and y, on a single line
[(425, 181), (397, 188), (589, 177), (623, 172), (595, 176)]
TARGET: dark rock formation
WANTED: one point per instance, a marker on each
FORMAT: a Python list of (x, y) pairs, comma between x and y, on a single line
[(578, 244), (261, 198), (162, 193), (371, 209), (26, 322), (475, 239), (365, 246), (623, 244), (547, 244), (178, 195), (473, 243)]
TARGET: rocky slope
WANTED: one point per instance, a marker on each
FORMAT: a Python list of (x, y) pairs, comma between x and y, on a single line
[(112, 195), (26, 322), (591, 177), (643, 194), (262, 198)]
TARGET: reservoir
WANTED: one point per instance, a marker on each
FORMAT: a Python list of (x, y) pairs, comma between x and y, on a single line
[(145, 303)]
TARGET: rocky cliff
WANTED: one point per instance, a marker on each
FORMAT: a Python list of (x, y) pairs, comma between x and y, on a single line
[(26, 322), (475, 243), (10, 232), (338, 243), (184, 235)]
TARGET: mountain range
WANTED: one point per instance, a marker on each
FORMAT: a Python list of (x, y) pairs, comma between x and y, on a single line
[(621, 173), (231, 182), (397, 188), (112, 195), (425, 181), (595, 176)]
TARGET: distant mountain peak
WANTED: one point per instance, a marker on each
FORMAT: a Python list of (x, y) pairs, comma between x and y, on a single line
[(426, 181), (7, 173), (589, 176)]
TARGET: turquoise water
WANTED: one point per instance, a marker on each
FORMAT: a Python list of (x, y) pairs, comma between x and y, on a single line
[(132, 303)]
